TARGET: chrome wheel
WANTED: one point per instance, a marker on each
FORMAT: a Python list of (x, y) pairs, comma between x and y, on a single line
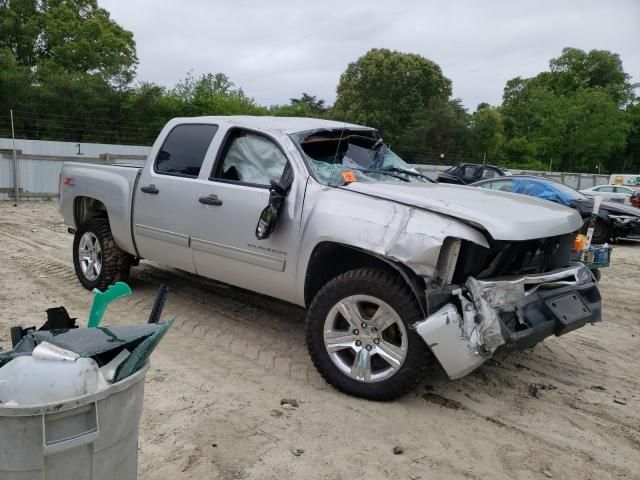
[(365, 338), (90, 256)]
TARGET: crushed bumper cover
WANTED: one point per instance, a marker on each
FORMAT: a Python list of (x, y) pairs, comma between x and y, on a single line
[(511, 313)]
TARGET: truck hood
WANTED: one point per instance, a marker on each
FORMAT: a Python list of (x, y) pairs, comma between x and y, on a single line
[(506, 216)]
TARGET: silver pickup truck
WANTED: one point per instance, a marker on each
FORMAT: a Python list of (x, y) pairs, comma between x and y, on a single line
[(393, 269)]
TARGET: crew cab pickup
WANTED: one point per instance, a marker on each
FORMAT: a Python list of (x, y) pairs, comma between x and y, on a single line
[(393, 268)]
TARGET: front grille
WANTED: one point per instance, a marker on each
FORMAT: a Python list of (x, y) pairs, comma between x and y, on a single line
[(513, 258)]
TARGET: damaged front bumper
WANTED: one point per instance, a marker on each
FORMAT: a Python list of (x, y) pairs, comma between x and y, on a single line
[(625, 226), (512, 313)]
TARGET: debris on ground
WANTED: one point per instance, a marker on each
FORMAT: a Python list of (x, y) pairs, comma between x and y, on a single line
[(547, 473), (600, 388), (442, 401), (289, 403), (620, 400), (535, 389), (398, 450), (83, 360), (297, 452)]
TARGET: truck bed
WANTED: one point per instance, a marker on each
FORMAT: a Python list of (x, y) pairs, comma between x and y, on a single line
[(112, 185)]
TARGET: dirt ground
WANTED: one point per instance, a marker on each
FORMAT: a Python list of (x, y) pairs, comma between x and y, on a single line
[(213, 394)]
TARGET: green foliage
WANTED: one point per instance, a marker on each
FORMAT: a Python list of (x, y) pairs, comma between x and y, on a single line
[(572, 114), (76, 35), (387, 89), (439, 129), (305, 106), (487, 134), (212, 94)]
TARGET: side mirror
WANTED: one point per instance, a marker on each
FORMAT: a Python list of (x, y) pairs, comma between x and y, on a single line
[(269, 215)]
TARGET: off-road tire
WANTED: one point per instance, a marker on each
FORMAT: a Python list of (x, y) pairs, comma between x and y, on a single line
[(390, 288), (116, 263)]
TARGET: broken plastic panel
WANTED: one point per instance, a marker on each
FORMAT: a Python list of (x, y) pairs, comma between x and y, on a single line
[(101, 344), (101, 301)]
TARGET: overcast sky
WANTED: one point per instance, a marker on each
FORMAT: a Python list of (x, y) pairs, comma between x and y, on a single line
[(277, 49)]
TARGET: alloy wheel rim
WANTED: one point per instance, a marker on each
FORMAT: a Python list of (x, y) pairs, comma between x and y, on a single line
[(365, 338), (90, 256)]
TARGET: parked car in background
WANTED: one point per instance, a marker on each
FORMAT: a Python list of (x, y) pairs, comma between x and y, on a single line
[(466, 173), (612, 193), (614, 219), (392, 267)]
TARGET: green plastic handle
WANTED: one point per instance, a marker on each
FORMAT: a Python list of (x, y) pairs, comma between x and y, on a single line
[(101, 301)]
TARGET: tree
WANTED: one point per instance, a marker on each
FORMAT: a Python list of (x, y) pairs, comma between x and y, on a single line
[(631, 157), (440, 129), (386, 89), (595, 131), (313, 104), (74, 35), (212, 94), (573, 113), (305, 106), (487, 134), (576, 69)]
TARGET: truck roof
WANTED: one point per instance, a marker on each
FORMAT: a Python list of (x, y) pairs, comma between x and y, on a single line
[(281, 124)]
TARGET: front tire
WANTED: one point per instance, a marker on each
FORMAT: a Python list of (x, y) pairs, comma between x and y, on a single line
[(360, 338), (97, 260)]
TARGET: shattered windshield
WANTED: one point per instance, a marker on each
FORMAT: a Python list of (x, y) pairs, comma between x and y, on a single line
[(343, 156)]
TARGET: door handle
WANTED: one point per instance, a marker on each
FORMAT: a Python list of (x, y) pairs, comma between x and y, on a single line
[(150, 189), (211, 200)]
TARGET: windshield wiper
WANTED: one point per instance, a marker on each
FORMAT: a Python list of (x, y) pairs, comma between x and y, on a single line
[(408, 172)]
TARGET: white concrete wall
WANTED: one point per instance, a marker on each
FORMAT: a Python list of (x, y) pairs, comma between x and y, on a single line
[(40, 162)]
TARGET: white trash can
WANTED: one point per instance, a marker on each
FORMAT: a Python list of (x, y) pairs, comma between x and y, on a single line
[(91, 437)]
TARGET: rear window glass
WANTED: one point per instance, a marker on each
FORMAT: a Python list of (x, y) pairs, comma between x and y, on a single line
[(184, 149)]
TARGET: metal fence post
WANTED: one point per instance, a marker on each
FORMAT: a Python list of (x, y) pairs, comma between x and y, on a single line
[(16, 188)]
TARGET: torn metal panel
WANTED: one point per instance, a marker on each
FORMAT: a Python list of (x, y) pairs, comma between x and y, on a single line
[(445, 331)]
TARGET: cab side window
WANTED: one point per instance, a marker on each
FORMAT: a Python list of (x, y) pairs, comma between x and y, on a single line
[(250, 158), (501, 185), (469, 172), (184, 149), (488, 173)]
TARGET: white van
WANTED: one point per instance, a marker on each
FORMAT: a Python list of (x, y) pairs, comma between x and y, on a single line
[(632, 181)]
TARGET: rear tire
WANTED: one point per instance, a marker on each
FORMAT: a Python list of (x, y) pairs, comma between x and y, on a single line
[(97, 260), (395, 358)]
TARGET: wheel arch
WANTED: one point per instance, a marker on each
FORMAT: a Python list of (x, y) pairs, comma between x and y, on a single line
[(330, 259), (88, 208)]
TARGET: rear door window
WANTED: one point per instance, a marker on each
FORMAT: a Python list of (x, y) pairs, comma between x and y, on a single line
[(489, 173), (500, 185), (469, 172), (184, 149)]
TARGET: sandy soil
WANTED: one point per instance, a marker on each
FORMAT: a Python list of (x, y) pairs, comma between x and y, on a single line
[(213, 393)]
